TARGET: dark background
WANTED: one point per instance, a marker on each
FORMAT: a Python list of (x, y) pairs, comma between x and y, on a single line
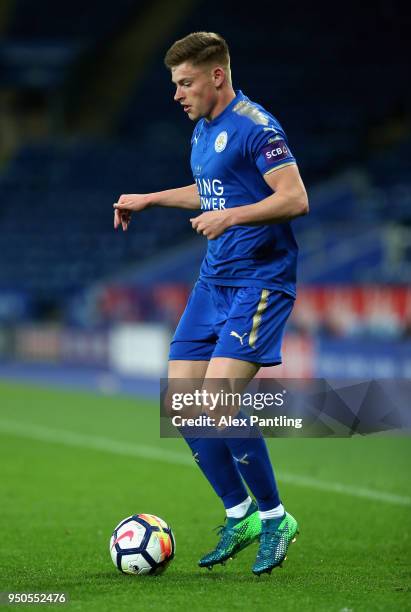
[(87, 113)]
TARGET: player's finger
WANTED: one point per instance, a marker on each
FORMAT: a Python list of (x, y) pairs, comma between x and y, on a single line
[(120, 205), (116, 219)]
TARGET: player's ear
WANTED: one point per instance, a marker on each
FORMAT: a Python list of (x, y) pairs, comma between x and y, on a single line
[(218, 76)]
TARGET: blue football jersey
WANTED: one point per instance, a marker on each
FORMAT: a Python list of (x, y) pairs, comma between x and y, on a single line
[(229, 157)]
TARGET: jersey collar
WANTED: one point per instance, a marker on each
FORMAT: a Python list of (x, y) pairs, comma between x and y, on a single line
[(238, 96)]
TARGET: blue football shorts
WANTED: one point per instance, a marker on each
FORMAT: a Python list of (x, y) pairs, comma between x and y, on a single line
[(245, 323)]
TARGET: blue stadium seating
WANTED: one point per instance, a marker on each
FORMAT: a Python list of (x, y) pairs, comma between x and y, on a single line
[(320, 81)]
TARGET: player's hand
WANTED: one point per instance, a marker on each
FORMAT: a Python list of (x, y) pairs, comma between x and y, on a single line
[(126, 205), (211, 224)]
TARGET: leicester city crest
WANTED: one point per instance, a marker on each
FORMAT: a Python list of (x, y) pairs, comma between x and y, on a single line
[(221, 142)]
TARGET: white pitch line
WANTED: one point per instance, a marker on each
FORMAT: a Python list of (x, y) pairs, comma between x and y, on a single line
[(71, 438), (79, 440), (336, 487)]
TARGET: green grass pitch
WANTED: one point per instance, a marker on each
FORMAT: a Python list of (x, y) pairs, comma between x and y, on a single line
[(74, 464)]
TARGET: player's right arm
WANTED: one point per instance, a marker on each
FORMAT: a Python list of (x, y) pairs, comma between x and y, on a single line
[(182, 197)]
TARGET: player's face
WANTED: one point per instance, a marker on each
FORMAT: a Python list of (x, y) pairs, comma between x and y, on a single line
[(195, 89)]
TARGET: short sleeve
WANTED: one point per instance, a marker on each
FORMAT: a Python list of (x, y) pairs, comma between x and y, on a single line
[(269, 148)]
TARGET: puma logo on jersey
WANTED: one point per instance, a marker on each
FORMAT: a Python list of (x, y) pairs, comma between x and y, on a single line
[(234, 333)]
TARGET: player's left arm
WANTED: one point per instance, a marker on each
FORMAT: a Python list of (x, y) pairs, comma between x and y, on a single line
[(288, 201)]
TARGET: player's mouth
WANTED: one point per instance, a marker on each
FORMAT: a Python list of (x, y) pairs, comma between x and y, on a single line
[(186, 108)]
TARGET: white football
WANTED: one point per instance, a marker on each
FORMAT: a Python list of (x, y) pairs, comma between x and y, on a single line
[(142, 544)]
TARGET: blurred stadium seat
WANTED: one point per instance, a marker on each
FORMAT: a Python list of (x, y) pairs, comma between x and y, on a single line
[(338, 91)]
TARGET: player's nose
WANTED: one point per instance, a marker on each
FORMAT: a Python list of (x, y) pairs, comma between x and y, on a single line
[(178, 95)]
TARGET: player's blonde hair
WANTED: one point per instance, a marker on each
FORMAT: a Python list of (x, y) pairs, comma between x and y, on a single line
[(199, 48)]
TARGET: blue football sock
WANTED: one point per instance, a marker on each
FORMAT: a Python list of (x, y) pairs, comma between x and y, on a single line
[(254, 464), (218, 466)]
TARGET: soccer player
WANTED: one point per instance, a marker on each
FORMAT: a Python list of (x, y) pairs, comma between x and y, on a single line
[(248, 188)]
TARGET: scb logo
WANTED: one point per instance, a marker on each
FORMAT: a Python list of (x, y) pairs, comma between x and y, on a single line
[(276, 152)]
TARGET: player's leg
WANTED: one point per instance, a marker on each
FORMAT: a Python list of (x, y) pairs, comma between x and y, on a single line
[(250, 453), (231, 369), (190, 351), (186, 369), (211, 454), (243, 523), (256, 341)]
